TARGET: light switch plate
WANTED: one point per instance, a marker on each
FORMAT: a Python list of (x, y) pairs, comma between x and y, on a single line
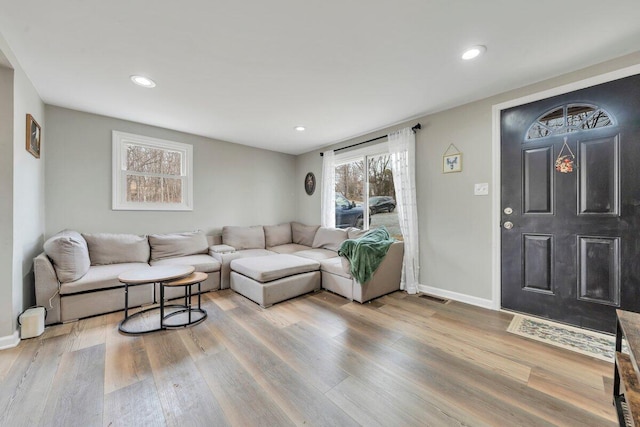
[(481, 189)]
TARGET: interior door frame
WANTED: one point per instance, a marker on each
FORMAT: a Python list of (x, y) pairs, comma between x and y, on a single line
[(496, 165)]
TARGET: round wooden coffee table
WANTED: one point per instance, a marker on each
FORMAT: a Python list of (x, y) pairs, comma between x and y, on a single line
[(144, 276), (193, 315)]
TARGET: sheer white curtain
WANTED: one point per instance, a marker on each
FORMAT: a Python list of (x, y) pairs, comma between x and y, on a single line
[(328, 201), (402, 147)]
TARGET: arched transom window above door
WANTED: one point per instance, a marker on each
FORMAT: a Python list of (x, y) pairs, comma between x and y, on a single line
[(569, 118)]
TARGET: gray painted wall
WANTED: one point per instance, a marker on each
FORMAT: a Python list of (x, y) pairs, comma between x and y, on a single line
[(455, 226), (21, 193), (6, 202), (28, 193), (233, 184)]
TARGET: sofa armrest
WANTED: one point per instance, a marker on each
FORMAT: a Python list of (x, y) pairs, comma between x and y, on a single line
[(386, 278), (47, 287), (221, 249), (225, 266)]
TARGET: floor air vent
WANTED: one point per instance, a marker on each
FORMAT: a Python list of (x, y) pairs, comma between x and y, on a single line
[(434, 299)]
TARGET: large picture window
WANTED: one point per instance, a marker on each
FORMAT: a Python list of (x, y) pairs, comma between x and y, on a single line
[(365, 196), (151, 174)]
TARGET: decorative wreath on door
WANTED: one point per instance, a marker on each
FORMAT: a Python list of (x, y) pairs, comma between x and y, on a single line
[(565, 163)]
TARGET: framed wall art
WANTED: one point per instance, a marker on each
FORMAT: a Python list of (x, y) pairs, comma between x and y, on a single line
[(452, 160), (33, 136), (310, 183)]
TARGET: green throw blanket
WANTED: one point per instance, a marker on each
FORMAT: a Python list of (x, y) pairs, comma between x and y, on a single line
[(366, 253)]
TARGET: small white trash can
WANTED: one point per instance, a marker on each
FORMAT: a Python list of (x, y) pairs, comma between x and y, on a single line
[(31, 322)]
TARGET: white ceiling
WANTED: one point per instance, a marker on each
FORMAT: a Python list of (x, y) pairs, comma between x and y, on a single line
[(249, 71)]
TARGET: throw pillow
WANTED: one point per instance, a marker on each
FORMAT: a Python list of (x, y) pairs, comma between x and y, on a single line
[(70, 255), (355, 233), (276, 235), (243, 237), (178, 244), (107, 248), (303, 234), (329, 238)]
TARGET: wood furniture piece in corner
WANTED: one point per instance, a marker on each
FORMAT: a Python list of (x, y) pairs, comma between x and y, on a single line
[(626, 372)]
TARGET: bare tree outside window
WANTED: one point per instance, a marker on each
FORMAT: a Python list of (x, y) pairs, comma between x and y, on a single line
[(350, 180), (382, 195), (380, 176), (569, 118), (149, 175)]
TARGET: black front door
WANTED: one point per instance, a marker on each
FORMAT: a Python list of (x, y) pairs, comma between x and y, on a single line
[(571, 225)]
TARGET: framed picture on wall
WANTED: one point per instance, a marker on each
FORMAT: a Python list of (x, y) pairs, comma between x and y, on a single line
[(310, 183), (33, 136), (452, 163)]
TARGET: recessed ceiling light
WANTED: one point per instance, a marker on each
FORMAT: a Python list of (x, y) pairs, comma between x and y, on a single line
[(299, 128), (143, 81), (473, 52)]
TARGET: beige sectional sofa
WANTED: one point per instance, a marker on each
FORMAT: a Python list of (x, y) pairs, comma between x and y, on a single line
[(315, 243), (77, 274)]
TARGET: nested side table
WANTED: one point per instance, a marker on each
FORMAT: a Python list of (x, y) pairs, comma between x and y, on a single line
[(193, 315), (144, 276)]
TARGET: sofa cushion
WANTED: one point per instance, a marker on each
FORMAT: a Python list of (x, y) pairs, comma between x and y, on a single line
[(303, 234), (100, 277), (355, 233), (178, 244), (316, 254), (266, 269), (276, 235), (338, 265), (329, 238), (202, 263), (289, 248), (106, 248), (244, 237), (70, 255)]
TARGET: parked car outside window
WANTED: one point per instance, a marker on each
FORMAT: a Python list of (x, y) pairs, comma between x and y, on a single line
[(379, 204), (348, 214)]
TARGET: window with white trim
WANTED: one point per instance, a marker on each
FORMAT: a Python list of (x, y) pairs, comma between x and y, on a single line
[(365, 191), (151, 173)]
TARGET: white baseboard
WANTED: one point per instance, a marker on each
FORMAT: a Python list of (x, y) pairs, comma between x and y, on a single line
[(10, 341), (468, 299)]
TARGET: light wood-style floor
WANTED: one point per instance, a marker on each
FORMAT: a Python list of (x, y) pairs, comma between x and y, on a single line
[(315, 360)]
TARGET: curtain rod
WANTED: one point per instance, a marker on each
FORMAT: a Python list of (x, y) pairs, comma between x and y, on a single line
[(414, 129)]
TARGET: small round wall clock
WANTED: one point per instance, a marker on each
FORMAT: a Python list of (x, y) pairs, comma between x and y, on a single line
[(310, 183)]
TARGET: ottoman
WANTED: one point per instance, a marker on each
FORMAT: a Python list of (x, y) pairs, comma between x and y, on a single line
[(271, 279)]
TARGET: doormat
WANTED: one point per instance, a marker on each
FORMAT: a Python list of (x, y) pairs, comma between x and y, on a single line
[(590, 343)]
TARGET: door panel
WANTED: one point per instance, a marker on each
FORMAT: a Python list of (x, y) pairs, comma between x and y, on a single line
[(599, 262), (538, 262), (573, 253), (538, 180), (599, 176)]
